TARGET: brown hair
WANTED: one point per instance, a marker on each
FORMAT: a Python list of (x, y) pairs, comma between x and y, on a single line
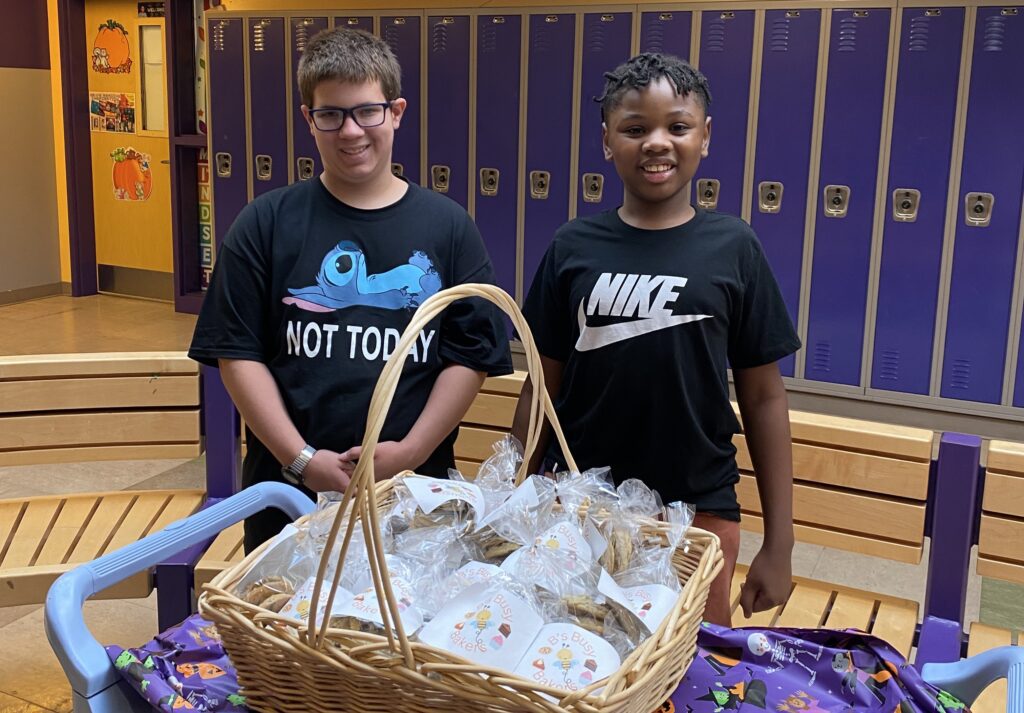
[(353, 56)]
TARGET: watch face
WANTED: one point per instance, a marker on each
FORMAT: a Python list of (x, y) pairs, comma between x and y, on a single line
[(289, 476)]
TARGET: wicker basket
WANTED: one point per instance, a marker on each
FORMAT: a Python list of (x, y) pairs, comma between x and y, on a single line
[(287, 665)]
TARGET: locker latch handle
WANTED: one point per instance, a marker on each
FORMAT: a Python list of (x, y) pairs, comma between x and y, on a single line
[(439, 178), (708, 190), (978, 209), (837, 201), (905, 202), (398, 169), (305, 167), (769, 196), (593, 187), (264, 167), (489, 181), (540, 183), (222, 160)]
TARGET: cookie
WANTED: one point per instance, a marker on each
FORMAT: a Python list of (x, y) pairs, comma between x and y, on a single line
[(276, 602), (499, 549), (261, 589)]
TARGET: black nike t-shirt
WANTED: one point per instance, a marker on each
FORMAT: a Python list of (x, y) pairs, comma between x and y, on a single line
[(647, 323), (320, 292)]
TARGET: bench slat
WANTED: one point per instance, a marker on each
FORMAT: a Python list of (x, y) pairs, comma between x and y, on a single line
[(476, 443), (851, 610), (138, 520), (32, 531), (74, 429), (9, 512), (511, 384), (73, 516), (1001, 570), (841, 510), (834, 466), (806, 606), (866, 436), (111, 508), (1006, 457), (95, 363), (29, 585), (491, 410), (1004, 494), (1000, 537), (99, 393), (144, 451), (182, 504), (982, 638), (895, 623)]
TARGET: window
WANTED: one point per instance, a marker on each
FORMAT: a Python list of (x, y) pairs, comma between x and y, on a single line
[(152, 83)]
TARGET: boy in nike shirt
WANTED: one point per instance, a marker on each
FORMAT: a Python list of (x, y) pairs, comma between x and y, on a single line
[(639, 311), (315, 282)]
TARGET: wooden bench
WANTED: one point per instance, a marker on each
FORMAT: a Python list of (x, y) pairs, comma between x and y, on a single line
[(1000, 553), (61, 408), (859, 486)]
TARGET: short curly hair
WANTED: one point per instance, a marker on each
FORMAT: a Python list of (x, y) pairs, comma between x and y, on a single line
[(348, 55), (640, 71)]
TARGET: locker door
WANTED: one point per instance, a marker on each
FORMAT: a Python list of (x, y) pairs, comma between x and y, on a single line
[(402, 33), (666, 32), (228, 157), (1018, 393), (448, 107), (268, 99), (606, 44), (354, 22), (726, 49), (306, 162), (497, 140), (854, 96), (922, 142), (789, 66), (548, 135), (985, 247)]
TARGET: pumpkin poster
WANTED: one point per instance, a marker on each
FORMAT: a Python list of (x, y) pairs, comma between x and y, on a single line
[(110, 50), (133, 180), (112, 111)]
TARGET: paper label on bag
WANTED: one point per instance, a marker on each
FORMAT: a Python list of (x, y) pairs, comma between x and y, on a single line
[(298, 607), (366, 606), (476, 572), (486, 624), (431, 493), (559, 551), (568, 657), (523, 499), (650, 602), (595, 539)]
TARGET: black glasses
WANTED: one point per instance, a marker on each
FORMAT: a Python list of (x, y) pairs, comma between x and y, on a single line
[(366, 116)]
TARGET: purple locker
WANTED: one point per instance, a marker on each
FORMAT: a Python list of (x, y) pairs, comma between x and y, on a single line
[(268, 99), (354, 23), (306, 163), (402, 33), (228, 157), (606, 44), (854, 95), (548, 135), (985, 253), (919, 164), (666, 32), (726, 51), (448, 106), (497, 140), (1018, 393), (789, 67)]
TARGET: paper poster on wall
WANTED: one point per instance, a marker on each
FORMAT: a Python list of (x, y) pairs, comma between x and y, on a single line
[(110, 50), (133, 180), (112, 111), (151, 8)]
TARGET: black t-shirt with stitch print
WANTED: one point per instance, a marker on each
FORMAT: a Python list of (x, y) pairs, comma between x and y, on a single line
[(320, 292), (646, 323)]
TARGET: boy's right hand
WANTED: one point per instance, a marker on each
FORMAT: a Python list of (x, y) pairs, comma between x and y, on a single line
[(325, 472)]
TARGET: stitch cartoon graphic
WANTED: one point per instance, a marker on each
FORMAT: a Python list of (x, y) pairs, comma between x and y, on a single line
[(800, 702), (750, 693), (344, 281), (871, 676), (782, 653)]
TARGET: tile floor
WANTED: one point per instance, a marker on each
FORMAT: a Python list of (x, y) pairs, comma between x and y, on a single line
[(31, 679)]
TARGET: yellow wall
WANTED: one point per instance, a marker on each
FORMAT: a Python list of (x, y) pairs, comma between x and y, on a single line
[(60, 166), (129, 233)]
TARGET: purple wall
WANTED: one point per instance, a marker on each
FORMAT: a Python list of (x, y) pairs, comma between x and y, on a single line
[(24, 38)]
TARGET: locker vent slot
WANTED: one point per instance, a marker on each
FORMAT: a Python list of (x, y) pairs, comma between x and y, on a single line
[(918, 41), (217, 36), (595, 38), (489, 40), (440, 39), (848, 34), (259, 35), (995, 32), (541, 40), (822, 357), (655, 38), (780, 35), (889, 369), (716, 36), (302, 34), (391, 37), (960, 376)]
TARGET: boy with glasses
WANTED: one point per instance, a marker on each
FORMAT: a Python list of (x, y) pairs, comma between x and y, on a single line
[(315, 282)]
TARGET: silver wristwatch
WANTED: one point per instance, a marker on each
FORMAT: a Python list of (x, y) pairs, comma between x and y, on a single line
[(293, 472)]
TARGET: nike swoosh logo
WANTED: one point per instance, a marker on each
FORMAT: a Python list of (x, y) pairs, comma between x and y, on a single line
[(596, 337)]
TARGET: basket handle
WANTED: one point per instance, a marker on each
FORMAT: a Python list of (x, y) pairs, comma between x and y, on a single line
[(360, 495)]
